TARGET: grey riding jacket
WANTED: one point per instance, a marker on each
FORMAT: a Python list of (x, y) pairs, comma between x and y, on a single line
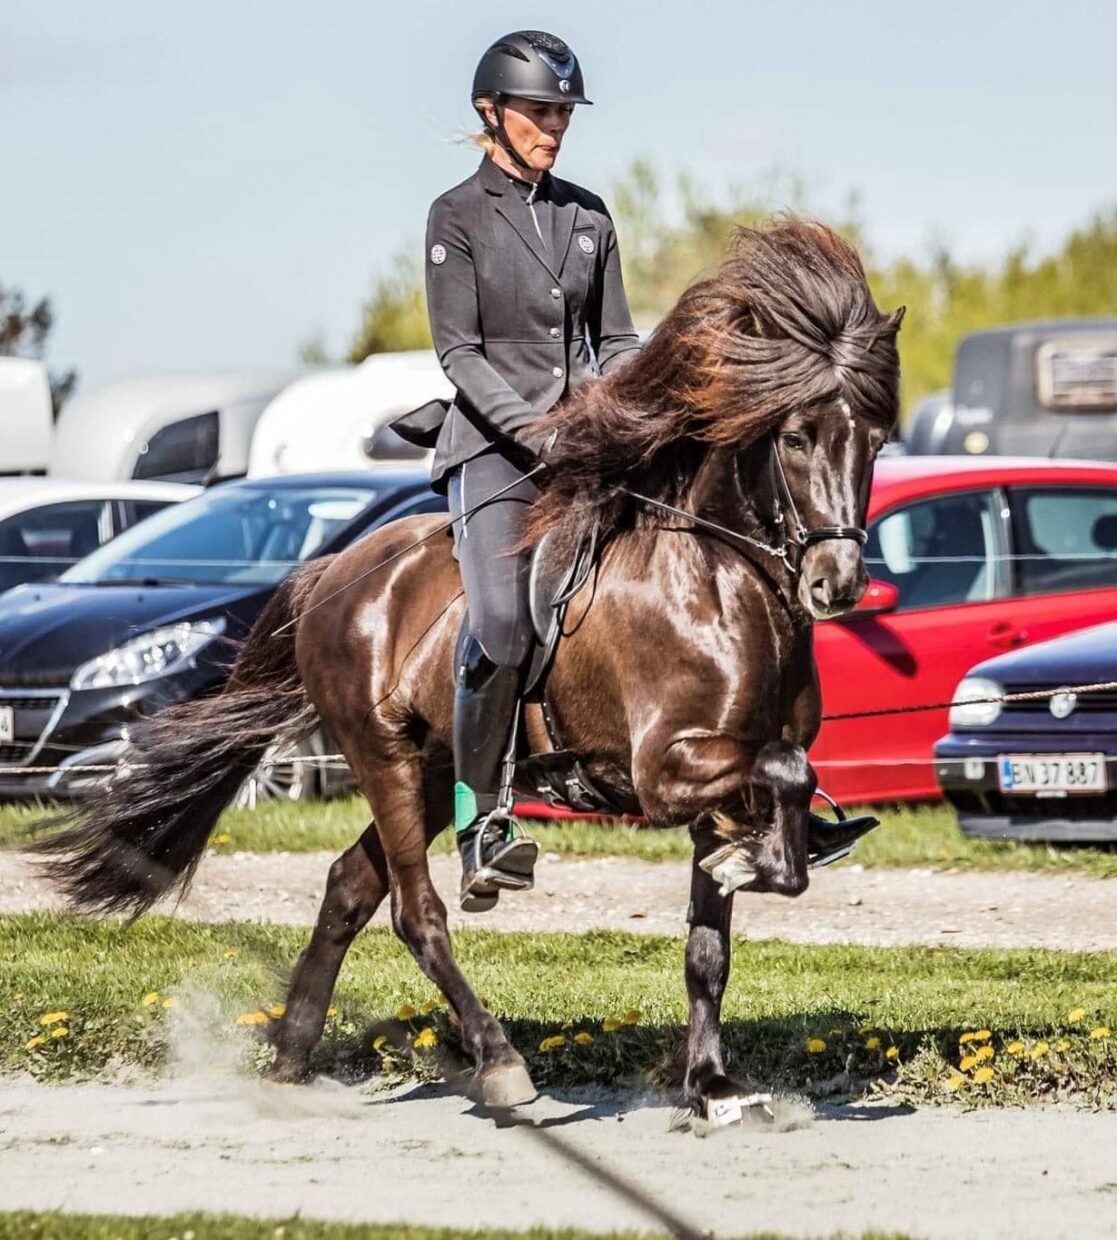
[(525, 304)]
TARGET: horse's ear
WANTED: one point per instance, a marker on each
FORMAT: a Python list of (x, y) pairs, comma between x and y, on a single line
[(896, 318)]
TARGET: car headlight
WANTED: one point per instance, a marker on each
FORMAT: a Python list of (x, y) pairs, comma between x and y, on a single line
[(149, 656), (969, 710)]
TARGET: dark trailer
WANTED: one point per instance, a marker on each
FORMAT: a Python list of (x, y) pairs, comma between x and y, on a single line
[(1033, 389)]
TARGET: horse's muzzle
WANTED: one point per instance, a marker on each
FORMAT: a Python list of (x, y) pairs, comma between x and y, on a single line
[(832, 578)]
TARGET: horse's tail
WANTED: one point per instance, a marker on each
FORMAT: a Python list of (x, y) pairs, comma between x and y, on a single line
[(144, 833)]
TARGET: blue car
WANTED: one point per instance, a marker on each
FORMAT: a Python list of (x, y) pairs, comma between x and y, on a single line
[(1044, 769), (147, 620)]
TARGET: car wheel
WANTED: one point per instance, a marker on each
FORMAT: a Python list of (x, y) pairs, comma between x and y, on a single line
[(283, 774)]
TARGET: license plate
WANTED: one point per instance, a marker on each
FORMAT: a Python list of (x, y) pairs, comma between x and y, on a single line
[(7, 723), (1052, 774)]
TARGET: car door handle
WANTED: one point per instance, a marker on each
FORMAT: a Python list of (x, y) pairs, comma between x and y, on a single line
[(1006, 636)]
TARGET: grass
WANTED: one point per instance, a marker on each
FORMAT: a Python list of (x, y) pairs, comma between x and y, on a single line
[(50, 1226), (834, 1020), (908, 836)]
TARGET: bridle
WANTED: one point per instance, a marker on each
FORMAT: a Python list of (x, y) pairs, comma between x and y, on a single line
[(794, 535)]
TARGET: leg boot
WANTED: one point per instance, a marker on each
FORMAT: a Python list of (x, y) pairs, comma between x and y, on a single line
[(494, 856)]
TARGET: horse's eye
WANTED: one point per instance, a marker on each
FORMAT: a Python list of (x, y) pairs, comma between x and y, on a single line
[(793, 440)]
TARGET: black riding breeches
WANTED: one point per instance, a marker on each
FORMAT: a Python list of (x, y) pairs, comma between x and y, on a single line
[(496, 582)]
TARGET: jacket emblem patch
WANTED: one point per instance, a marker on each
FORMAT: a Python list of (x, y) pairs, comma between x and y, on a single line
[(585, 243), (438, 254)]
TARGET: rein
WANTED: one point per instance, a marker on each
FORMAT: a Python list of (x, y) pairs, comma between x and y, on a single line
[(794, 533)]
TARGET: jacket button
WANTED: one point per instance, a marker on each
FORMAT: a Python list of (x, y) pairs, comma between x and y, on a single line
[(556, 293), (554, 331), (557, 372)]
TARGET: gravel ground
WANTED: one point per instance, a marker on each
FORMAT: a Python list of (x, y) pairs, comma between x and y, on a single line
[(845, 904), (592, 1159)]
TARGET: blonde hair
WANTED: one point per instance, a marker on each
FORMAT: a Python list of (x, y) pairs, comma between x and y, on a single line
[(483, 138)]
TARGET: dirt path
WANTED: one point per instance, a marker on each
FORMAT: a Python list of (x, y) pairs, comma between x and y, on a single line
[(429, 1157), (887, 907)]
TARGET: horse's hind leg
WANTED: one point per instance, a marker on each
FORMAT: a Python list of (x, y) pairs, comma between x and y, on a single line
[(355, 888), (357, 883)]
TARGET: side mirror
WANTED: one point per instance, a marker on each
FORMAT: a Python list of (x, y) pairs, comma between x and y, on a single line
[(879, 597)]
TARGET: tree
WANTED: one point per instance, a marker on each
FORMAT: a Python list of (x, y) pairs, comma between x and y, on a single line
[(24, 332), (395, 316)]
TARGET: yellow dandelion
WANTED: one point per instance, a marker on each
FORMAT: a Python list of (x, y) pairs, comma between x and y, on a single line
[(1076, 1014), (430, 1006), (379, 1043), (231, 954), (150, 999), (1039, 1050), (955, 1083), (425, 1039), (406, 1012), (968, 1061), (893, 1052), (1100, 1033), (610, 1024), (982, 1035), (552, 1043), (566, 1025), (31, 1043), (277, 1010), (1063, 1044), (252, 1018), (984, 1053), (983, 1076), (53, 1018), (872, 1044), (864, 1029), (60, 1031), (1015, 1048), (331, 1011), (964, 1038), (221, 839), (583, 1038), (170, 1001), (632, 1017), (814, 1046)]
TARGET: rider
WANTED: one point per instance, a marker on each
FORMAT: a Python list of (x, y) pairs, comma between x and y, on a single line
[(522, 270)]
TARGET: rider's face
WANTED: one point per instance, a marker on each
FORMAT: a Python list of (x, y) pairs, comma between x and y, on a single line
[(535, 129)]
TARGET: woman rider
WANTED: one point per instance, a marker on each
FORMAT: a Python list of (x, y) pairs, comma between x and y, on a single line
[(523, 280)]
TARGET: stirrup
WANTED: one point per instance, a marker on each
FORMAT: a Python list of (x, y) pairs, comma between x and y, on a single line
[(828, 841), (490, 866)]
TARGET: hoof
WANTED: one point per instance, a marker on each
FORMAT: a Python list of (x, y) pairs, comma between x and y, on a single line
[(284, 1072), (506, 1087), (725, 1112)]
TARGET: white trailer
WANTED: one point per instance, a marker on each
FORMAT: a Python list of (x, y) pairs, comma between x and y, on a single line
[(337, 418), (25, 416)]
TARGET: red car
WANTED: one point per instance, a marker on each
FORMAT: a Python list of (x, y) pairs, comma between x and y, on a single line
[(969, 558)]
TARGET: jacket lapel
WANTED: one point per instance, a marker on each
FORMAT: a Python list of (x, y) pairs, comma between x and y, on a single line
[(514, 211), (566, 216)]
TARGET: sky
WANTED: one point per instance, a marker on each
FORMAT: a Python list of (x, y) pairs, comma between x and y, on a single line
[(210, 185)]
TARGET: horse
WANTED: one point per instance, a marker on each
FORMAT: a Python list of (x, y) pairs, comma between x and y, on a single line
[(724, 474)]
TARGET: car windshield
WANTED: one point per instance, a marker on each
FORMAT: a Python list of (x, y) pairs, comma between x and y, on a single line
[(230, 535)]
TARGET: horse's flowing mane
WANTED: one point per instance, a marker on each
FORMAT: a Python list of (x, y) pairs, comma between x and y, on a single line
[(787, 321)]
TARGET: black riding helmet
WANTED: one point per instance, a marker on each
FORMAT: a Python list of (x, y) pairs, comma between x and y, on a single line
[(533, 65)]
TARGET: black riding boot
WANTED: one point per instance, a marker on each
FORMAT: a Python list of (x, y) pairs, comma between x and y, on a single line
[(493, 856)]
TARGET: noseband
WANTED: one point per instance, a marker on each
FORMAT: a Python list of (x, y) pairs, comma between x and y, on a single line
[(793, 532)]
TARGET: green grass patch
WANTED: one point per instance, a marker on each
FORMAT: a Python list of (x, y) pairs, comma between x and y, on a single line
[(908, 836), (80, 997)]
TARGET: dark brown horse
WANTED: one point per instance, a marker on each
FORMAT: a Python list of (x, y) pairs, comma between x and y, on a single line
[(686, 681)]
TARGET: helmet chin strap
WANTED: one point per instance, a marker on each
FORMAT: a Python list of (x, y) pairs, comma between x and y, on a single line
[(502, 137)]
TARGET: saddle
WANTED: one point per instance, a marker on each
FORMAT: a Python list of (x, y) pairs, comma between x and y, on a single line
[(558, 778)]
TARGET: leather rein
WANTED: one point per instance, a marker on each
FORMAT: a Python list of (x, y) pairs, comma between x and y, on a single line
[(793, 532)]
